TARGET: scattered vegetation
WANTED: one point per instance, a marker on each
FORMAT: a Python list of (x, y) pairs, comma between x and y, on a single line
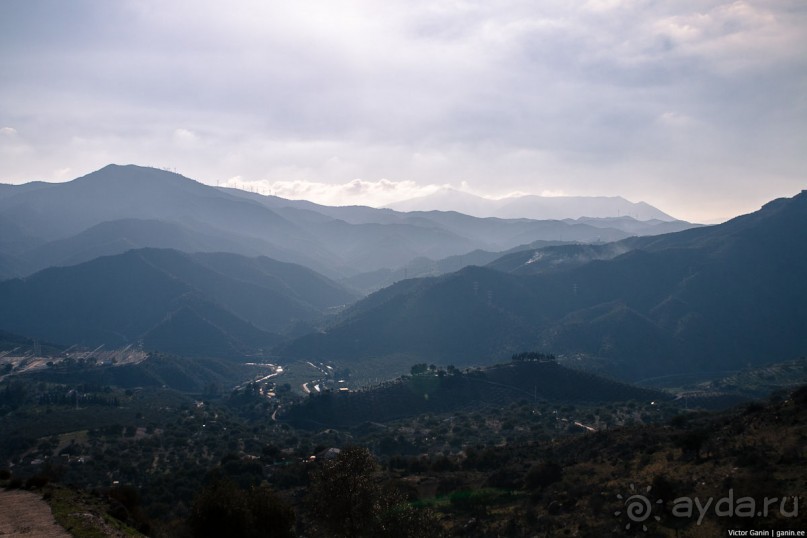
[(158, 460)]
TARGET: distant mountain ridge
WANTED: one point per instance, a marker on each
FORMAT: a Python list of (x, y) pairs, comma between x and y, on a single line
[(590, 290), (710, 298), (532, 206), (209, 304), (122, 207)]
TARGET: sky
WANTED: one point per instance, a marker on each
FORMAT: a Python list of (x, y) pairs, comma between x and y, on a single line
[(697, 107)]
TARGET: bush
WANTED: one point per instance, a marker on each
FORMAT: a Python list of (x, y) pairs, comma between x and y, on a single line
[(38, 481), (476, 502), (800, 396), (509, 477), (543, 475), (343, 494), (347, 500), (222, 509)]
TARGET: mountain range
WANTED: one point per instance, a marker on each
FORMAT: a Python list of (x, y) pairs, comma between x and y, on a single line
[(701, 300), (119, 208), (208, 304), (532, 206), (129, 254)]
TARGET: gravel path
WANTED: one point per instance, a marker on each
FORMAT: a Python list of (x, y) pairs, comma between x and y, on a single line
[(23, 513)]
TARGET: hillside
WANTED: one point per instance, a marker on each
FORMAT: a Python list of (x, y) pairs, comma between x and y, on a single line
[(438, 391), (700, 300), (55, 213), (511, 469), (584, 485), (117, 236), (158, 371), (205, 304), (118, 208)]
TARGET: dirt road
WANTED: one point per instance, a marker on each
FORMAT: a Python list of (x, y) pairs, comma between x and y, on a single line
[(23, 513)]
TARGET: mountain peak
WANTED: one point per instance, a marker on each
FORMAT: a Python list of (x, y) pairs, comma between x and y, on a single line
[(123, 174), (532, 206)]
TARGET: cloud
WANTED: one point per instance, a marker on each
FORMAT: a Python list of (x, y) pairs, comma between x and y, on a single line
[(649, 100), (12, 145), (733, 36), (185, 137), (676, 120), (356, 192)]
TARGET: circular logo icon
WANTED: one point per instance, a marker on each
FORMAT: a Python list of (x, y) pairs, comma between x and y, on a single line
[(638, 508)]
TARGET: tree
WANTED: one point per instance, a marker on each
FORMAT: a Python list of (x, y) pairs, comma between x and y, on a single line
[(403, 521), (691, 442), (222, 509), (348, 501), (219, 509), (420, 368), (543, 474), (271, 515), (343, 494)]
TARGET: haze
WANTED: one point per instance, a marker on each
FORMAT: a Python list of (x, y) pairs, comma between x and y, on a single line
[(695, 107)]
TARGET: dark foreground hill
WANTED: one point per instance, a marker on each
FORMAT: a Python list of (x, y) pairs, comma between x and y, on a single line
[(700, 300), (522, 469), (454, 391), (203, 304)]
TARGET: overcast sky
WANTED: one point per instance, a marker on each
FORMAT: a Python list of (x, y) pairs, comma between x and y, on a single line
[(698, 107)]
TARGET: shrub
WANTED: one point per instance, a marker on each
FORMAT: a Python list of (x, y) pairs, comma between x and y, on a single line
[(36, 482), (222, 509), (542, 475)]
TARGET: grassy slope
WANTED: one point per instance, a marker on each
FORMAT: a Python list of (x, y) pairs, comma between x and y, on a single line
[(84, 515)]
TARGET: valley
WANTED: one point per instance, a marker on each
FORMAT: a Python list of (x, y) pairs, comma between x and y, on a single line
[(403, 270), (477, 376), (505, 459)]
